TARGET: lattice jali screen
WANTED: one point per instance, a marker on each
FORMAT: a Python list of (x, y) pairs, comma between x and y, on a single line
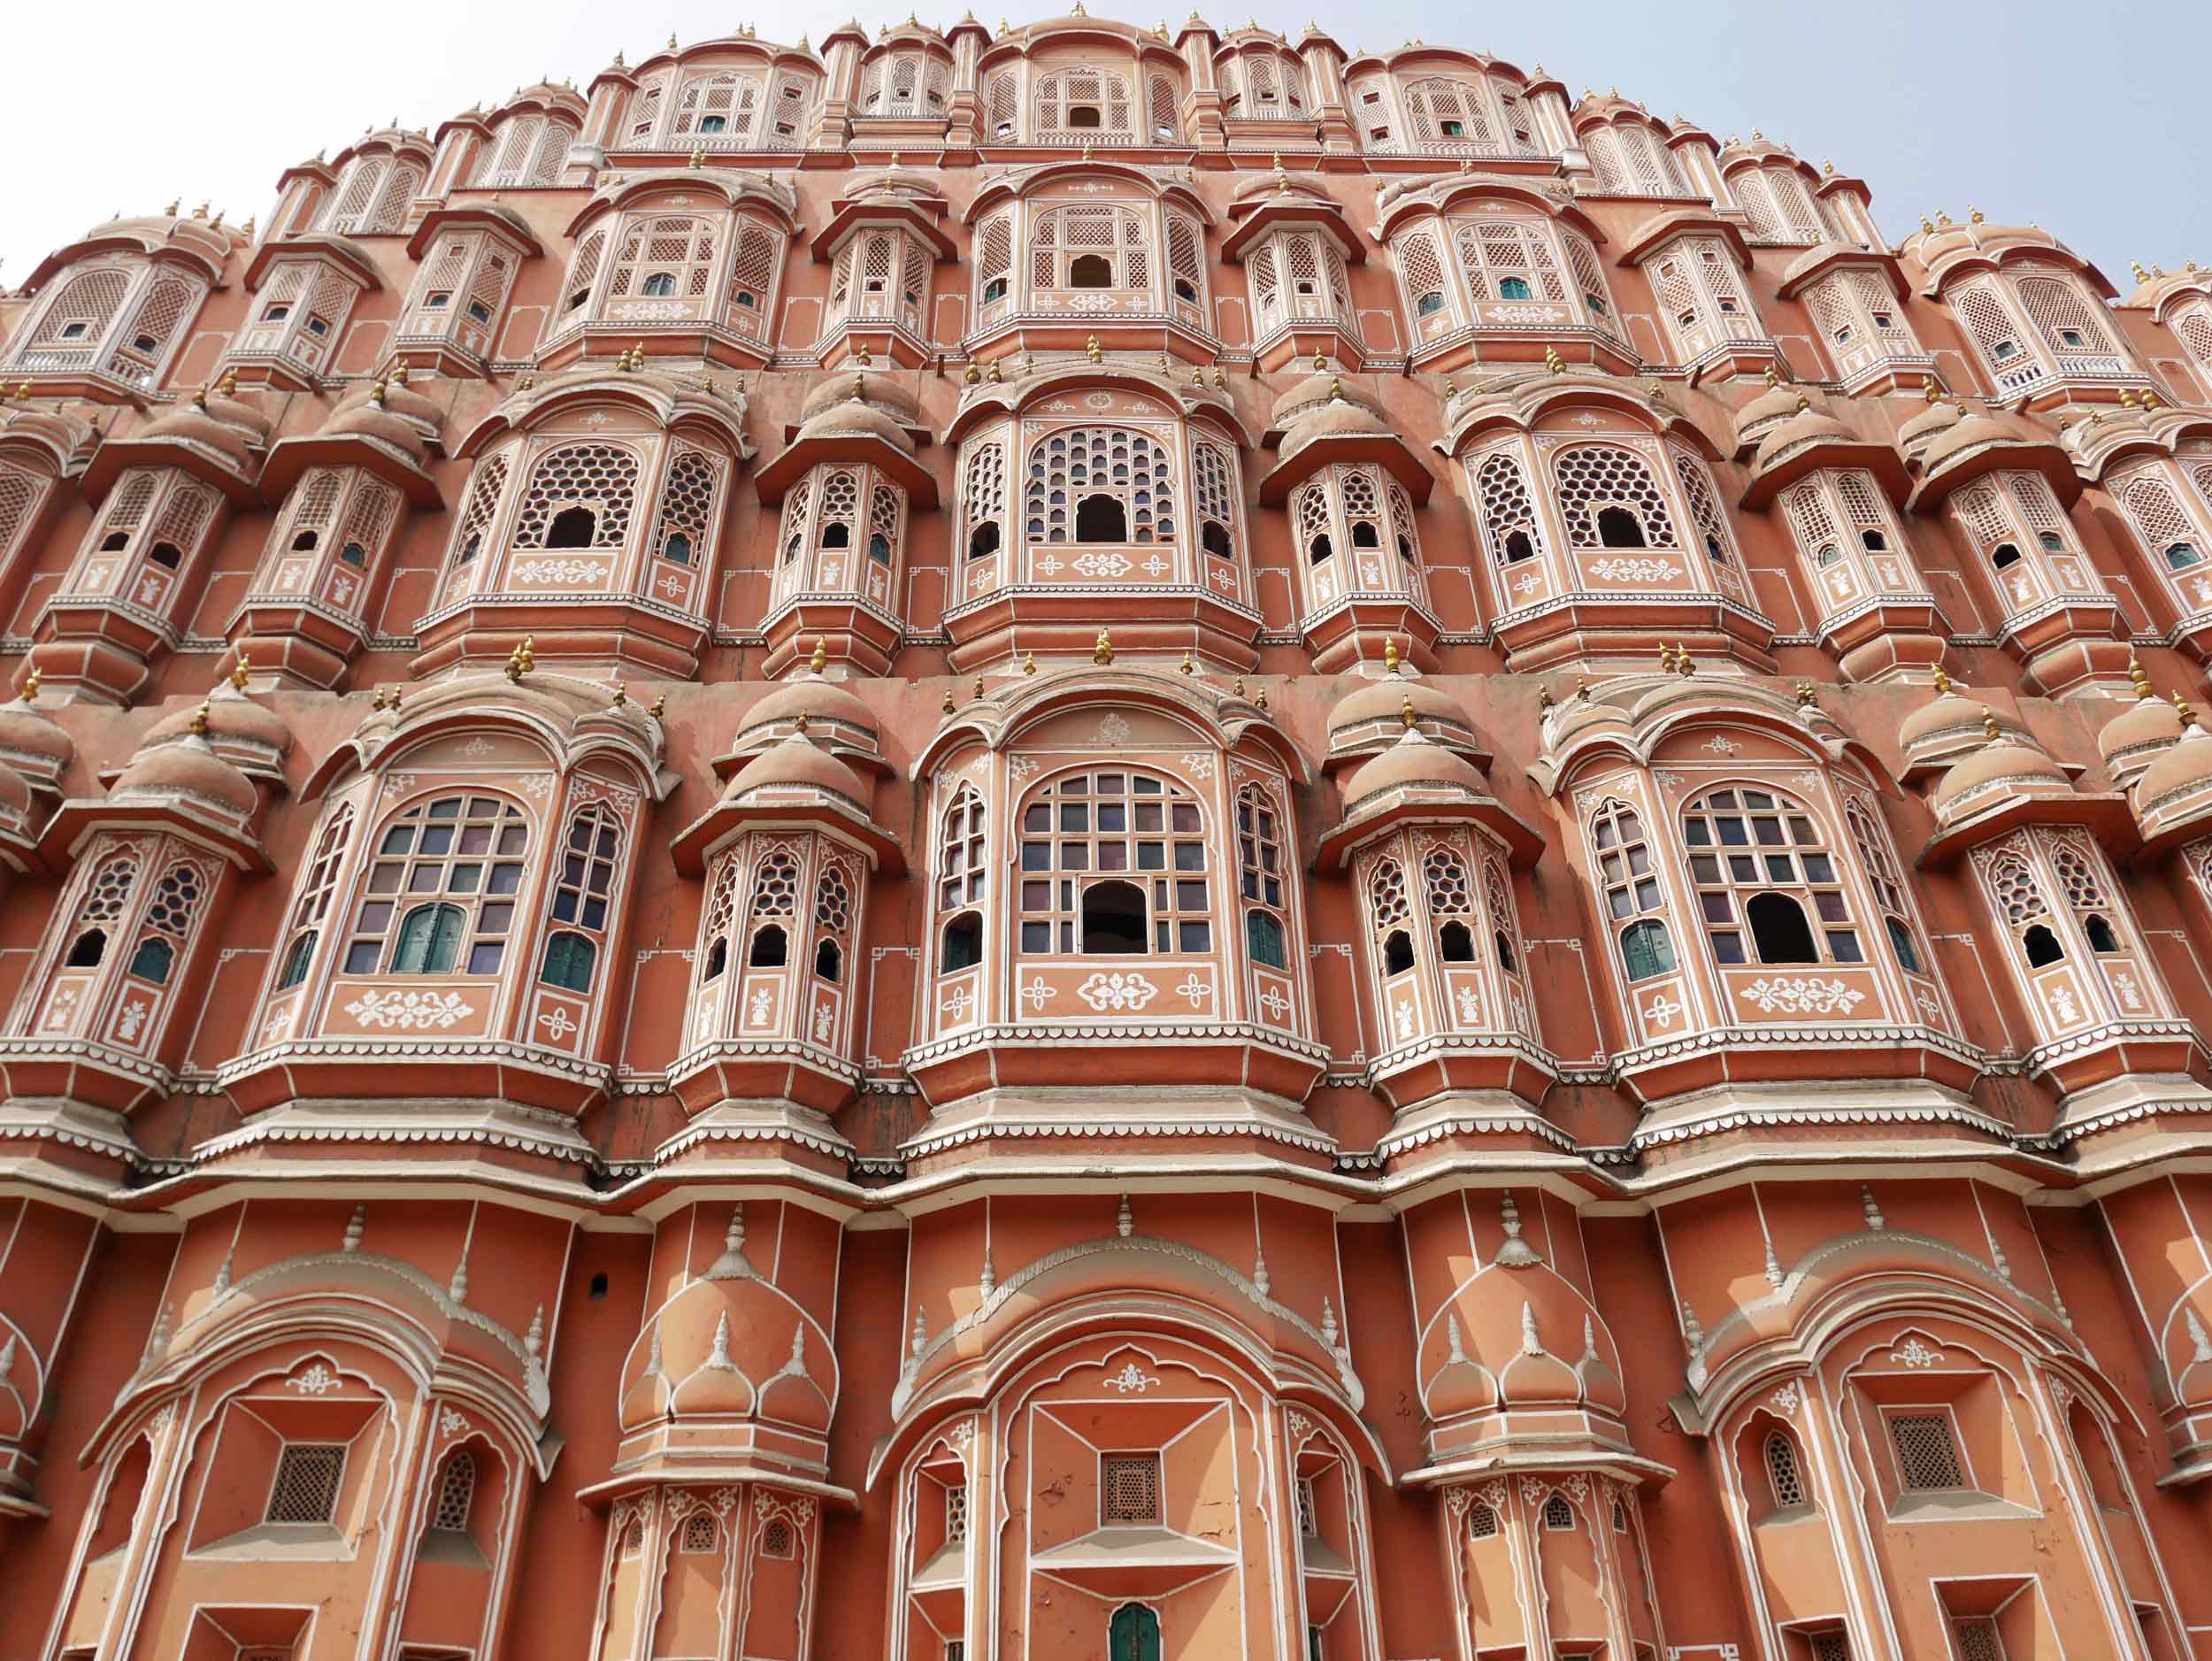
[(1782, 1473), (1976, 1640), (20, 492), (600, 477), (1129, 1488), (1592, 477), (1927, 1457), (457, 1490), (686, 508), (1502, 487), (1083, 462), (956, 1513), (305, 1489)]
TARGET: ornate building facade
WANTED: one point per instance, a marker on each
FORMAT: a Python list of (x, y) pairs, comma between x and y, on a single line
[(1100, 843)]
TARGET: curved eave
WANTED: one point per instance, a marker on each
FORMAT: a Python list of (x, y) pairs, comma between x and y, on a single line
[(49, 455), (1521, 410), (1447, 193), (1014, 187), (1295, 211), (773, 478), (1524, 843), (2105, 815), (757, 739), (1962, 469), (1672, 222), (320, 246), (202, 260), (1386, 449), (194, 460), (2172, 834), (75, 822), (1816, 263), (536, 407), (1994, 256), (856, 213), (474, 216), (1881, 460), (737, 189), (292, 457), (1004, 712), (692, 845), (986, 401)]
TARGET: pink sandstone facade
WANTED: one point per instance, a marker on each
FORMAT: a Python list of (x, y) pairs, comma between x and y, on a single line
[(1100, 843)]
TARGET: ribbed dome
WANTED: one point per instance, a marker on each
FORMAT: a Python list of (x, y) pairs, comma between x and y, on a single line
[(1805, 425), (1415, 762), (1968, 432), (2150, 723), (1384, 700), (798, 763), (1309, 397), (191, 769), (191, 423), (2183, 768), (1951, 714), (15, 793), (2006, 766), (1776, 405), (25, 733), (814, 698), (231, 715), (373, 420), (853, 417), (730, 1345), (1938, 417), (849, 386)]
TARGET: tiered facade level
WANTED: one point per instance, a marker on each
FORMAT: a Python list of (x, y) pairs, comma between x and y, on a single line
[(1100, 843)]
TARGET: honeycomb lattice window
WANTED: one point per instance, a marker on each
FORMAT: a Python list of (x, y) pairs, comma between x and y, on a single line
[(110, 887), (596, 481), (1505, 259), (1482, 1522), (1446, 879), (1309, 1512), (1558, 1514), (176, 900), (1783, 1476), (1076, 103), (2084, 891), (457, 1491), (2017, 895), (1927, 1457), (2165, 531), (19, 493), (699, 1533), (483, 507), (305, 1489), (956, 1513), (1831, 1646), (983, 501), (1129, 1488), (1387, 893), (776, 1539), (833, 902), (1509, 525), (1976, 1640), (668, 257), (776, 886), (1595, 480), (687, 509), (1100, 484)]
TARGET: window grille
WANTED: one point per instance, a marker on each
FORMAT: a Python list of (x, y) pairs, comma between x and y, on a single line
[(483, 507), (1783, 1475), (2193, 326), (956, 1513), (583, 888), (1976, 1640), (1927, 1457), (1129, 1488), (776, 1539), (1632, 889), (1620, 1518), (1595, 477), (1496, 253), (600, 479), (81, 310), (19, 492), (1386, 898), (1558, 1514), (687, 509), (755, 266), (456, 865), (1260, 858), (961, 863), (1113, 862), (983, 499), (1081, 464), (1482, 1522), (699, 1533), (1879, 861), (1510, 527), (1831, 1646), (305, 1489), (1996, 335), (1083, 104), (776, 886), (139, 349), (1445, 878), (633, 1536), (1750, 849), (1002, 104), (1165, 108), (2070, 328), (2160, 526), (1421, 275), (457, 1490), (1309, 1513)]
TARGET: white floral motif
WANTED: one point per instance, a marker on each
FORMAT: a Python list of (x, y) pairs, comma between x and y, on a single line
[(823, 1016), (537, 785), (1785, 1399), (1102, 564), (1200, 766), (1470, 1005), (955, 1008), (1195, 989), (1100, 400), (478, 746), (558, 1022), (530, 571), (1722, 745), (408, 1012), (1401, 1017), (450, 1422), (133, 1020), (1130, 1379), (1636, 570), (757, 1006), (1039, 993), (1113, 730), (1115, 991), (280, 1026), (60, 1008), (1273, 1001), (317, 1380), (2130, 995), (1021, 767), (1913, 1353), (1662, 1011), (2062, 1005), (1801, 995)]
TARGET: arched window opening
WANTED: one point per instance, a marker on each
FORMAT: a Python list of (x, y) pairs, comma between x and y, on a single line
[(1513, 288), (1260, 859), (1900, 941), (1114, 918), (828, 961), (1100, 518), (573, 527), (353, 554), (1558, 1514), (1430, 302), (456, 1492), (2102, 937), (1364, 534), (880, 548), (1133, 1635), (769, 948), (2004, 556), (1508, 960), (87, 950), (1646, 949), (153, 959), (1873, 541), (963, 942), (115, 541), (1518, 547), (167, 555), (776, 1539), (1083, 115), (1319, 548), (2181, 556), (2041, 946), (298, 956), (837, 533), (1779, 931), (1397, 952), (1213, 536), (676, 549), (659, 284), (994, 290), (1090, 271), (1617, 527), (2051, 542), (717, 959), (569, 961), (469, 849), (983, 540), (960, 870), (699, 1533), (1760, 852), (305, 542), (1783, 1475), (1264, 940), (429, 940)]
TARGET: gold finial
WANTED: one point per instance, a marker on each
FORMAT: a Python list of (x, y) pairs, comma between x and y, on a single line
[(1544, 699), (31, 679), (399, 375), (974, 377), (1666, 658), (978, 686), (1390, 654), (1928, 389), (1974, 214), (1102, 653), (622, 697), (992, 374), (2127, 397), (241, 672), (1582, 688), (2135, 265), (1320, 362), (1807, 695), (2141, 677), (1772, 379), (659, 705), (1029, 663), (1091, 351), (199, 722), (376, 393), (1553, 361), (865, 359), (1803, 404), (520, 661), (377, 703), (175, 205), (1336, 389), (1197, 376), (199, 398), (1087, 149), (2150, 401), (1259, 700), (396, 691), (820, 661), (671, 40), (1942, 681), (1406, 717), (800, 725), (1221, 378), (949, 703), (1189, 668), (200, 213), (1942, 218), (698, 157), (1989, 725)]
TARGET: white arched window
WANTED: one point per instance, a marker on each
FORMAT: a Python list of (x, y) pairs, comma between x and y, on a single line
[(1862, 322), (581, 891), (373, 196), (1088, 248), (961, 867), (903, 83), (529, 151), (1608, 498), (1113, 862), (1769, 890), (577, 495), (2027, 543), (1629, 161), (1635, 902), (1100, 484), (1784, 1478), (1083, 105), (718, 111), (438, 895), (1295, 276), (1779, 207)]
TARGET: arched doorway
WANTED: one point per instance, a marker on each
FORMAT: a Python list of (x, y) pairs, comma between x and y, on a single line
[(1133, 1634)]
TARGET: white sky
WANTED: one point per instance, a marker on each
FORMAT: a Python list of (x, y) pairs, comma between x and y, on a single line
[(2086, 119)]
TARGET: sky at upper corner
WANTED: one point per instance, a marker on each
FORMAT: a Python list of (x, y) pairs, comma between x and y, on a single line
[(2085, 120)]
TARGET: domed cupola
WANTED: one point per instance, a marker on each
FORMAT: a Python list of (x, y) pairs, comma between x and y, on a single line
[(795, 782), (1417, 779), (215, 437), (1367, 720), (1931, 423), (835, 719), (179, 784), (1296, 243), (1763, 414), (35, 745), (240, 729), (2009, 780), (1809, 441), (2131, 740), (2173, 795)]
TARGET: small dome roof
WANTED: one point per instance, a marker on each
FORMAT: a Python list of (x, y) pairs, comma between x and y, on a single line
[(1415, 762), (1804, 425), (847, 386), (2148, 723), (799, 763), (2184, 767), (1385, 700), (15, 793), (191, 423), (1951, 713), (1314, 394), (373, 420), (813, 697), (25, 732), (1939, 416), (1777, 403), (1968, 432), (231, 716), (188, 768), (2003, 766), (842, 420)]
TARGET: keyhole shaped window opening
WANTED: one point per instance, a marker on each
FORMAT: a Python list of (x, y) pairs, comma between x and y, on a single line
[(1113, 862), (440, 892), (1768, 888), (1617, 527), (1099, 485), (1631, 891)]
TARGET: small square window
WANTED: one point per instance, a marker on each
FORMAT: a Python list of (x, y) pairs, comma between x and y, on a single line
[(1129, 1489), (306, 1485), (1927, 1457)]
